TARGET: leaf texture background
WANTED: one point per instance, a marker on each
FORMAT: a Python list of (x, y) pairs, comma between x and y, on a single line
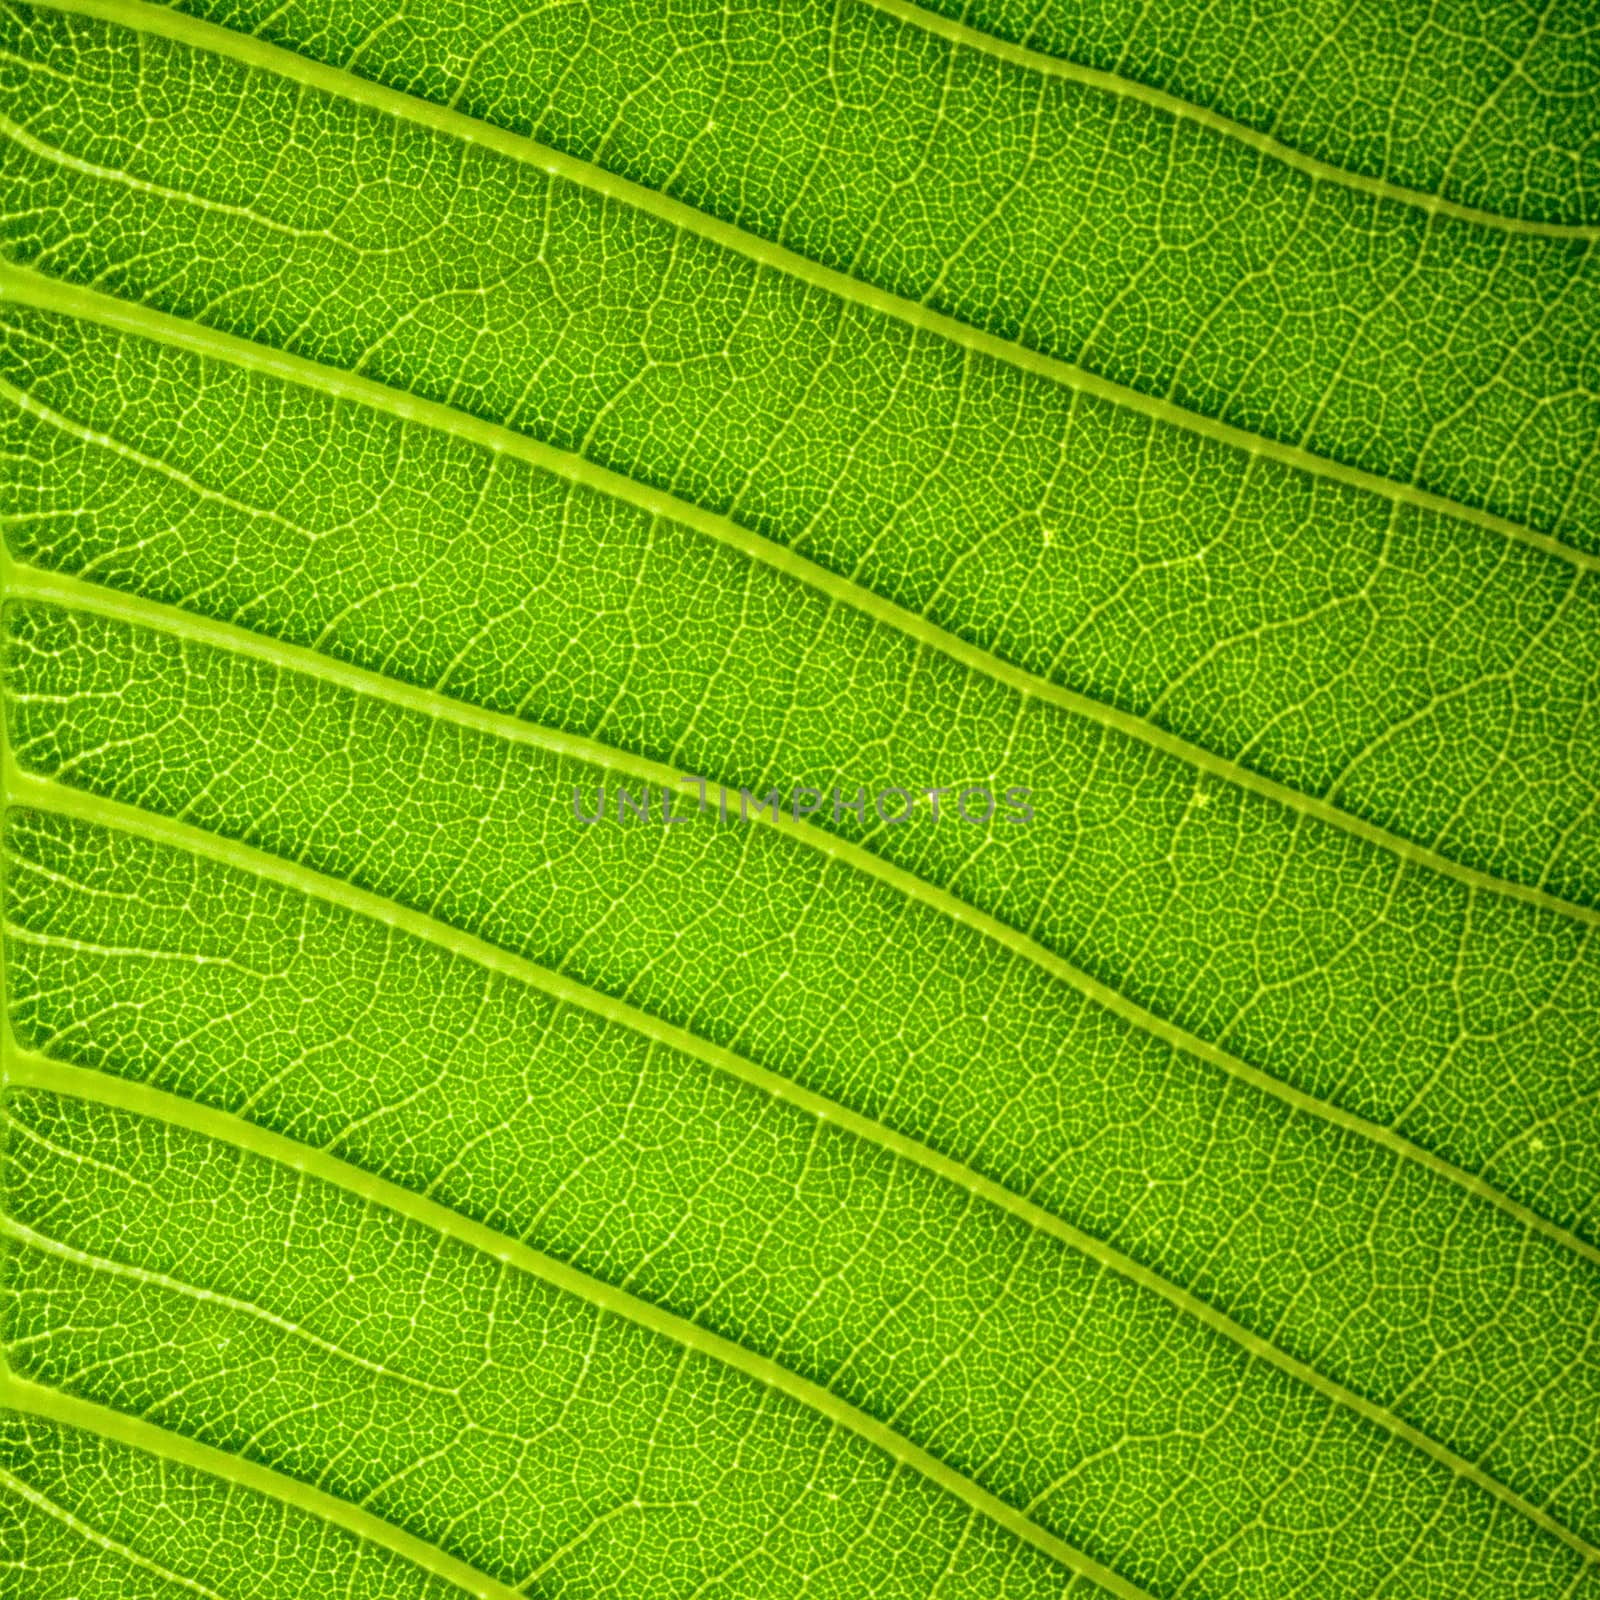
[(415, 413)]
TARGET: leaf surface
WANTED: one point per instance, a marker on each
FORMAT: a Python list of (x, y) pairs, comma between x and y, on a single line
[(418, 427)]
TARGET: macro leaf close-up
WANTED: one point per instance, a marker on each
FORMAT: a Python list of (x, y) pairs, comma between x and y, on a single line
[(802, 799)]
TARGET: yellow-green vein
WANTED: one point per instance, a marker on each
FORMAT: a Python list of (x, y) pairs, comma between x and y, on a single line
[(966, 37), (36, 1072), (35, 289), (76, 594), (89, 1535), (20, 1395), (46, 796), (247, 50)]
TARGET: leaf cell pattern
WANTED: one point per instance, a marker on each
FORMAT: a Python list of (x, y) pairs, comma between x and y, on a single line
[(423, 422)]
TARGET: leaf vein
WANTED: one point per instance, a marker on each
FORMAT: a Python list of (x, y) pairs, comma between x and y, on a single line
[(45, 293), (249, 51), (32, 1068), (964, 36)]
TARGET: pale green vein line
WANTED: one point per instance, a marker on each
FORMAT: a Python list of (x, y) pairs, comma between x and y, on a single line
[(76, 594), (50, 294), (44, 795), (20, 1233), (101, 1541), (1124, 88), (28, 1069), (249, 51), (18, 1394), (31, 1071)]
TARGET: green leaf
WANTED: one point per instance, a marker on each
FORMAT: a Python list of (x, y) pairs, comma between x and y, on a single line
[(1170, 433)]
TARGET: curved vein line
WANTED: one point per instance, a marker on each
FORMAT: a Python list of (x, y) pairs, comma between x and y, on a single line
[(32, 1071), (20, 1233), (43, 1070), (249, 51), (102, 1541), (76, 594), (44, 293), (1125, 88), (121, 1427)]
